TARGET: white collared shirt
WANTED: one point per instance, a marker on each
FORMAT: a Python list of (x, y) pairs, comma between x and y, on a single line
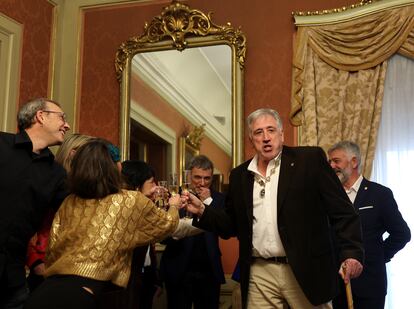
[(208, 201), (353, 190), (266, 238)]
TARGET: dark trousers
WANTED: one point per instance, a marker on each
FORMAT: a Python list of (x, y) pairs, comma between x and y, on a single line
[(200, 289), (34, 281), (66, 292), (148, 288), (13, 298), (139, 293), (140, 290)]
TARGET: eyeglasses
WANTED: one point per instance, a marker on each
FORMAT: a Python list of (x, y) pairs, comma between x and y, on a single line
[(62, 115)]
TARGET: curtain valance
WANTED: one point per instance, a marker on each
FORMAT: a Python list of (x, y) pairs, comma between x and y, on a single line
[(353, 45)]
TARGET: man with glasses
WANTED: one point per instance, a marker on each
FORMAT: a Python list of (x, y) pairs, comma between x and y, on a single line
[(31, 183), (191, 267), (61, 115)]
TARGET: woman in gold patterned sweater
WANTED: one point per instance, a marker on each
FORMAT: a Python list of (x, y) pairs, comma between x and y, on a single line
[(95, 231)]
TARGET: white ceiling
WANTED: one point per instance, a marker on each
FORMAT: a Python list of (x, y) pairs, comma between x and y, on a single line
[(196, 82)]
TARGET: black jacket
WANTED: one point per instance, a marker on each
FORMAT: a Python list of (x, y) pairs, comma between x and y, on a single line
[(30, 184), (310, 200), (176, 258), (379, 214)]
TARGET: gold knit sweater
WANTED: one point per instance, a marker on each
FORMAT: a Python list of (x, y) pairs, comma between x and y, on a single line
[(94, 238)]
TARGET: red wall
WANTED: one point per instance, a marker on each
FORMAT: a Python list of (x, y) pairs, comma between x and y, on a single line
[(269, 29), (36, 16)]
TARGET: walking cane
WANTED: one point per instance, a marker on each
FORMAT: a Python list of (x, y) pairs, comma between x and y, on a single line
[(348, 290)]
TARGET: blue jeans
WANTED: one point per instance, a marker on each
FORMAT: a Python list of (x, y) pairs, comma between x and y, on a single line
[(14, 298)]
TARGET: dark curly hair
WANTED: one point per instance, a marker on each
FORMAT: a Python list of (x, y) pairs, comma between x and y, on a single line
[(135, 173)]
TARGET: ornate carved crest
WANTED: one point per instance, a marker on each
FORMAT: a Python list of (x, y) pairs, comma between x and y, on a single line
[(195, 136), (178, 22)]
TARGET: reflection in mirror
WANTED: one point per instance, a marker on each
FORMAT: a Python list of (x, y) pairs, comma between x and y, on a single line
[(183, 72), (196, 82)]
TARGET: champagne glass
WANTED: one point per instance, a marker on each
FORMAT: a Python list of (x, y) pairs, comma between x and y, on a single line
[(185, 187), (159, 197), (173, 184), (163, 185), (186, 180)]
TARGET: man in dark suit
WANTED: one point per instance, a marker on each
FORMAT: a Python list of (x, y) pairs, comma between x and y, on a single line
[(379, 214), (191, 267), (282, 205)]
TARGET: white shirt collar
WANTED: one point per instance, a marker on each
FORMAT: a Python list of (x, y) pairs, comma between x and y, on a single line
[(356, 185), (253, 163)]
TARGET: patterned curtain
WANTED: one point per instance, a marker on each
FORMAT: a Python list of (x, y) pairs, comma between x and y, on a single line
[(342, 105), (338, 77)]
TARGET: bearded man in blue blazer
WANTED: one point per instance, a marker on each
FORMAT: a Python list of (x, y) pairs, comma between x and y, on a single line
[(379, 213), (283, 205)]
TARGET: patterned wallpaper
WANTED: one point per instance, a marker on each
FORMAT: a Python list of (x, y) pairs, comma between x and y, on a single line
[(104, 31), (268, 65), (267, 73), (36, 17)]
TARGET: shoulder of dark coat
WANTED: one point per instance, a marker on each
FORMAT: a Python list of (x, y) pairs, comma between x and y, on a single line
[(306, 151), (376, 186)]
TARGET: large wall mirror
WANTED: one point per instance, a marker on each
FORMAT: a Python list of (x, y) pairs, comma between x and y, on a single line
[(184, 72)]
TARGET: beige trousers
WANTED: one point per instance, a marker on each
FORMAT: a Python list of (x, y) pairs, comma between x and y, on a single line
[(274, 286)]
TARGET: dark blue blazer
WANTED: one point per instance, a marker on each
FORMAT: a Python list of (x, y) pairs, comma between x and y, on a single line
[(177, 253), (379, 214)]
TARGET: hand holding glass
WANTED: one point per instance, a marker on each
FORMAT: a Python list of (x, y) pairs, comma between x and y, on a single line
[(163, 184), (193, 204), (160, 197)]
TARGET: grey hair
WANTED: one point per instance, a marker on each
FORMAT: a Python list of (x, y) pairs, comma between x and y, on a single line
[(27, 113), (263, 112), (350, 148), (201, 161)]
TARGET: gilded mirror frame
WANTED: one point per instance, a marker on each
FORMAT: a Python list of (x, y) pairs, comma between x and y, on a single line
[(179, 27)]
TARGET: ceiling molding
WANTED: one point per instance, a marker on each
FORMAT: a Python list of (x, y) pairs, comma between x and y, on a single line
[(153, 73)]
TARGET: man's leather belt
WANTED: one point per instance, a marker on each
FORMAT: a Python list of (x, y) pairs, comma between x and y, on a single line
[(275, 259)]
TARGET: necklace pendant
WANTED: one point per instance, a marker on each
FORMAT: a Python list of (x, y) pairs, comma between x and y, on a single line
[(262, 193)]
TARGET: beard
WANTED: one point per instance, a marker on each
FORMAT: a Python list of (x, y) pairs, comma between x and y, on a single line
[(343, 174)]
